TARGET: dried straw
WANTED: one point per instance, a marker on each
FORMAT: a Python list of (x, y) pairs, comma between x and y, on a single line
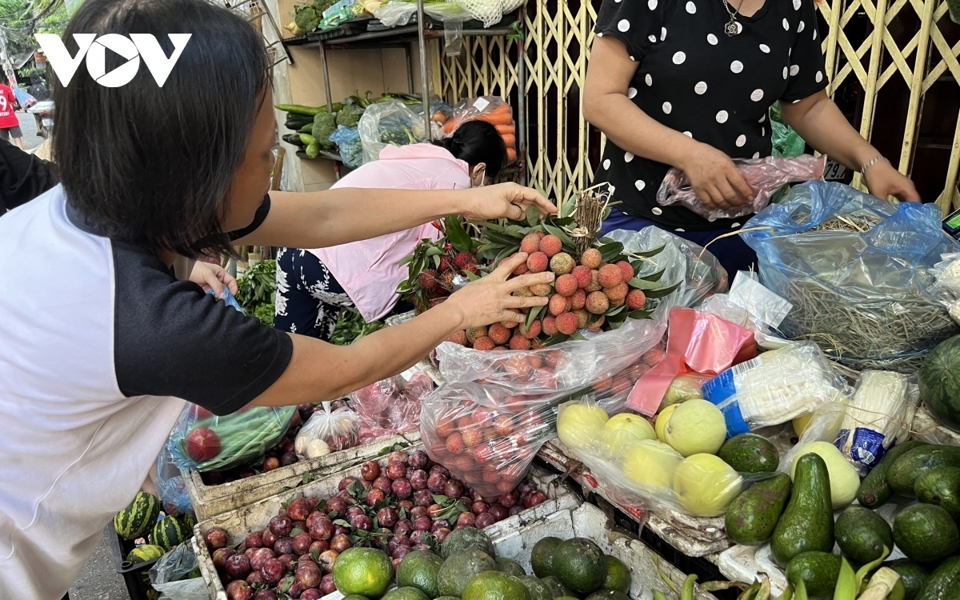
[(589, 208)]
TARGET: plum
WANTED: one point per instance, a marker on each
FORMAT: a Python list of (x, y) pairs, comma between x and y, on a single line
[(436, 483), (318, 546), (479, 507), (534, 498), (255, 578), (298, 525), (406, 504), (294, 590), (434, 511), (220, 556), (336, 505), (284, 545), (354, 511), (440, 470), (311, 594), (309, 574), (340, 530), (216, 538), (271, 463), (396, 470), (273, 571), (423, 498), (260, 558), (313, 517), (525, 487), (402, 488), (202, 444), (254, 540), (237, 566), (401, 551), (419, 511), (397, 540), (441, 534), (418, 479), (418, 459), (387, 516), (327, 586), (403, 527), (327, 560), (345, 483), (422, 524), (509, 499), (515, 510), (467, 519), (374, 496), (340, 543), (398, 456), (299, 509), (383, 483), (301, 543), (361, 522), (239, 590), (423, 548), (370, 470), (281, 526), (288, 459), (322, 529), (439, 524), (453, 488)]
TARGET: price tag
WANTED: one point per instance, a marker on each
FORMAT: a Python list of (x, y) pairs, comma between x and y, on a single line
[(835, 171), (481, 104)]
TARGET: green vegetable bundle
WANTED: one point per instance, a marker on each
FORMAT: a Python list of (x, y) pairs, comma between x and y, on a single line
[(218, 443), (256, 290)]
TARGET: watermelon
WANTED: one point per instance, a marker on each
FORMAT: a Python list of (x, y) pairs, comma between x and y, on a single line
[(169, 532), (145, 553), (136, 520), (940, 383)]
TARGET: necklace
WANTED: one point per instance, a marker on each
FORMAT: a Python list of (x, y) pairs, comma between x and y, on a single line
[(733, 26)]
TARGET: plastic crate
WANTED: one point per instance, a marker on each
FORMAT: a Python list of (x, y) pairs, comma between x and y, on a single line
[(239, 523), (211, 500), (134, 576)]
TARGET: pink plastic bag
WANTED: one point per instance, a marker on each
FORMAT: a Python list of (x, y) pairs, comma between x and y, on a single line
[(764, 175), (390, 407), (696, 342)]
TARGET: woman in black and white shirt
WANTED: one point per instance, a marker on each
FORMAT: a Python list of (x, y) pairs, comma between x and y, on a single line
[(688, 84)]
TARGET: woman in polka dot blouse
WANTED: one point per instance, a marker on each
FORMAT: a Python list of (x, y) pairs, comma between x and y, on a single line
[(688, 83)]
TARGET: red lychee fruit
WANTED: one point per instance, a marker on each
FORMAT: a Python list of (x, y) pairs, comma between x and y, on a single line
[(473, 334), (463, 259), (562, 263), (518, 342), (583, 276), (444, 264), (540, 234), (533, 331), (617, 293), (446, 280), (537, 262), (549, 325), (558, 305), (498, 333), (583, 317), (627, 270), (578, 300), (530, 243), (591, 258), (503, 425), (459, 337), (636, 299), (566, 285), (521, 269), (653, 357), (610, 276), (597, 303), (596, 325), (541, 289), (454, 443), (594, 285), (428, 279), (483, 343), (471, 269), (472, 436), (551, 245), (567, 323), (501, 348)]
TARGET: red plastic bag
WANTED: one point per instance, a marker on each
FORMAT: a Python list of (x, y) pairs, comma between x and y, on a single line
[(390, 407), (698, 342), (487, 433), (764, 175)]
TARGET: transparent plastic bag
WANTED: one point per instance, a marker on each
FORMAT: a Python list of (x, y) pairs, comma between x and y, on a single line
[(774, 388), (391, 407), (388, 123), (487, 434), (824, 426), (764, 176), (171, 487), (396, 13), (857, 271), (752, 306), (327, 430), (206, 442), (176, 575), (349, 144)]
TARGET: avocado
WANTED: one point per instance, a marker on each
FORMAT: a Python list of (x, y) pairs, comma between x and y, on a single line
[(818, 570), (907, 469), (941, 487), (807, 522), (926, 533), (862, 534), (750, 453), (752, 516), (874, 490), (913, 575), (944, 584)]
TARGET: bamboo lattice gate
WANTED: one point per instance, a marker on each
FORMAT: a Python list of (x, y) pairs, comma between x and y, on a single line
[(914, 52)]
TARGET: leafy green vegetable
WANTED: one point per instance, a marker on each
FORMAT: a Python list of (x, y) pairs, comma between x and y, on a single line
[(306, 18), (256, 290), (324, 124), (351, 327), (350, 115), (265, 313)]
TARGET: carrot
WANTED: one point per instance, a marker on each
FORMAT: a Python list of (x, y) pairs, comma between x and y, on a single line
[(450, 125), (503, 108), (501, 119), (511, 156), (510, 141), (506, 129)]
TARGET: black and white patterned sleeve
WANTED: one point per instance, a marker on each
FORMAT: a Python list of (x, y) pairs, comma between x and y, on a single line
[(806, 69), (633, 22)]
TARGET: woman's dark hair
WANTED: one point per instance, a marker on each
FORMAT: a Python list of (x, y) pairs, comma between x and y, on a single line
[(477, 142), (155, 163)]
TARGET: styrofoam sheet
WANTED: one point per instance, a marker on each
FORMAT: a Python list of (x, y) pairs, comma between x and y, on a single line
[(238, 523), (212, 500)]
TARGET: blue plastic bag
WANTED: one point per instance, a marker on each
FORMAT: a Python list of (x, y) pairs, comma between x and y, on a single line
[(856, 269), (227, 298), (348, 141)]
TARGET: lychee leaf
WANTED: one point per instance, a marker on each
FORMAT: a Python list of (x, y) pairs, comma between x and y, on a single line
[(436, 262), (555, 339), (434, 251), (648, 253), (640, 314), (564, 222), (488, 226), (660, 293), (566, 239), (533, 216), (471, 276), (457, 236), (532, 316), (568, 208), (654, 276), (577, 336), (643, 284), (505, 253), (611, 252), (501, 238), (516, 231), (406, 260), (616, 311)]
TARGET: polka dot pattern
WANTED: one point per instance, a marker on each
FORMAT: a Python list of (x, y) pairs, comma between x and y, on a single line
[(628, 157), (691, 8), (640, 185), (667, 108), (624, 25), (712, 39), (679, 58), (648, 79), (736, 66), (656, 210), (765, 48), (741, 141), (700, 88), (756, 95), (652, 4), (606, 164), (631, 93), (722, 117), (786, 24)]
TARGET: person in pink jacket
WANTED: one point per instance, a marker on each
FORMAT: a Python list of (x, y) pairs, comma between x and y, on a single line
[(313, 286)]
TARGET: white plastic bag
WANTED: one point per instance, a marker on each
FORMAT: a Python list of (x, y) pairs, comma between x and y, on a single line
[(388, 123), (327, 431)]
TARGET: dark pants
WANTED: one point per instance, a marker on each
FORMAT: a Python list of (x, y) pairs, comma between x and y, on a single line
[(731, 251), (309, 299)]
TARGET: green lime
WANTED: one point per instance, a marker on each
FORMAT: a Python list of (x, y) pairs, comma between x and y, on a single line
[(542, 557), (363, 571), (493, 585), (406, 593), (420, 570), (618, 575), (462, 567), (580, 565), (510, 567)]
